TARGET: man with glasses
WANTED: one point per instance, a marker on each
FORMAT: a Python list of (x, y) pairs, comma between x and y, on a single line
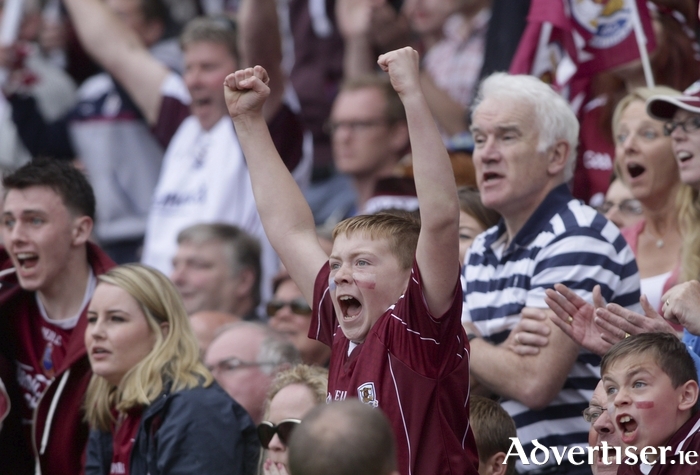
[(369, 136), (244, 358), (602, 430)]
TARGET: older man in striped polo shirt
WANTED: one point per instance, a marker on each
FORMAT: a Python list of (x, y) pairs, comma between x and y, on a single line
[(525, 139)]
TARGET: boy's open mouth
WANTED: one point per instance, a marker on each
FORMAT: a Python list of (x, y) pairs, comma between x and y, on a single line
[(350, 307), (628, 427)]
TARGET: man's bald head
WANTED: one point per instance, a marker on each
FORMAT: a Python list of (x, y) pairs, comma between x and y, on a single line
[(343, 438), (205, 324)]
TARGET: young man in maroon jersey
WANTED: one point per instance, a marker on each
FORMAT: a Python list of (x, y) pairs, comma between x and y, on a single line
[(391, 285), (47, 269)]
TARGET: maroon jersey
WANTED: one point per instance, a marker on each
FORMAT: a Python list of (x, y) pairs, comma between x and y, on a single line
[(124, 434), (41, 349), (412, 366)]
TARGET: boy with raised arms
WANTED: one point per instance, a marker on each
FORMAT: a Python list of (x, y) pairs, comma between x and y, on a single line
[(388, 300)]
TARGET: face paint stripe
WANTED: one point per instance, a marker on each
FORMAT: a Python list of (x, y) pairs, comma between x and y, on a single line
[(366, 281)]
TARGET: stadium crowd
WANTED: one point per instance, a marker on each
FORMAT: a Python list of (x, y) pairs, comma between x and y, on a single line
[(314, 237)]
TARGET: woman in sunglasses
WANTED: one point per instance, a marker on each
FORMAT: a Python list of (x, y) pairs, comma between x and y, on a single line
[(290, 315), (293, 393), (152, 406)]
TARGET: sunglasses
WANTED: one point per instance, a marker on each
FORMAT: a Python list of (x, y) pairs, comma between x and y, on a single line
[(298, 306), (267, 430)]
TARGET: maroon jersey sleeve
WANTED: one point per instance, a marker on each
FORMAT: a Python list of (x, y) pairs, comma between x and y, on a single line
[(172, 113), (323, 320)]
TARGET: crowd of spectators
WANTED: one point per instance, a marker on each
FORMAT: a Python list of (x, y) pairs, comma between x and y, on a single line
[(223, 215)]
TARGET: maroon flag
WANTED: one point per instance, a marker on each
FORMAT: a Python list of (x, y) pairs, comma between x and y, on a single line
[(566, 42)]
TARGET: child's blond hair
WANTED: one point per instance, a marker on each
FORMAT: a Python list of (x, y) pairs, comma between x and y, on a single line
[(400, 229)]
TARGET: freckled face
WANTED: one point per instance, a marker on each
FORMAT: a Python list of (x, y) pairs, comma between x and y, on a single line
[(366, 279)]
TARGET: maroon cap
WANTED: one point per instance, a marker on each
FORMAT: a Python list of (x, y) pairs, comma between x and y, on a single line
[(664, 107)]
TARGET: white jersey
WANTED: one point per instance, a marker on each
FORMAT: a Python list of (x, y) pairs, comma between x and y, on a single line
[(204, 179)]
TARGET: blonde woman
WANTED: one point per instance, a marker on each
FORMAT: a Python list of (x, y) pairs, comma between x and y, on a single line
[(152, 406), (293, 393)]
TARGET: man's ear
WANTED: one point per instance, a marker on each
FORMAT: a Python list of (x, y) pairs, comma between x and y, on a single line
[(246, 281), (688, 395), (82, 228), (558, 157)]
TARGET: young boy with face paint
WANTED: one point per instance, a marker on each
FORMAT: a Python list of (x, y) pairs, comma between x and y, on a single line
[(652, 391), (391, 285)]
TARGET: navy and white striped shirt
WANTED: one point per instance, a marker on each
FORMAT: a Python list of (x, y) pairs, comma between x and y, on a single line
[(564, 241)]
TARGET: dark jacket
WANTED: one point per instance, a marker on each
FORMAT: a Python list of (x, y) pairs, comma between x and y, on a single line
[(64, 447), (194, 431)]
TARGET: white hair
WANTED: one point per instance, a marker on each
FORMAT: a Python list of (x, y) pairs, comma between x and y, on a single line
[(552, 115)]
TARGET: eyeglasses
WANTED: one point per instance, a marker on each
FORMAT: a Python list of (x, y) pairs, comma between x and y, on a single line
[(630, 207), (231, 364), (355, 126), (691, 124), (592, 413), (298, 306), (267, 430)]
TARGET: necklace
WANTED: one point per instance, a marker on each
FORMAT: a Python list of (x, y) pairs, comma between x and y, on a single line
[(659, 241)]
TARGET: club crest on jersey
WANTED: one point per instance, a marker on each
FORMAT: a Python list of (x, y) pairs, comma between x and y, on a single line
[(367, 394), (47, 360)]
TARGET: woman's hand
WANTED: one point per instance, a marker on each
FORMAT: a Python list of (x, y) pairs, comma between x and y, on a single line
[(618, 322), (682, 306)]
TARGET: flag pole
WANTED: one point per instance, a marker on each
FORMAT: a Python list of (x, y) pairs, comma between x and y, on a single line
[(641, 44)]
